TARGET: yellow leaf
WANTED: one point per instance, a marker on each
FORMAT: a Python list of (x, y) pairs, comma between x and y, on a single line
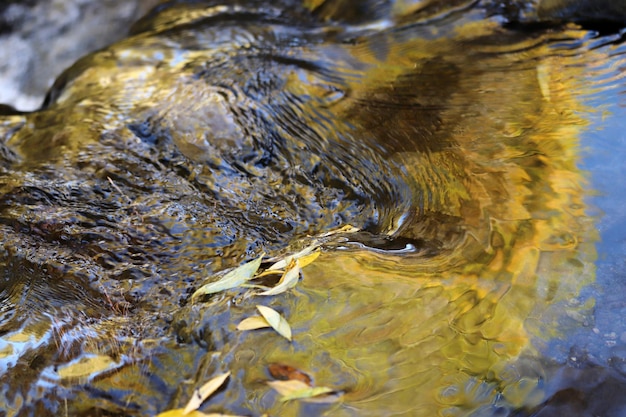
[(307, 259), (312, 4), (345, 229), (87, 366), (283, 263), (287, 281), (204, 392), (277, 321), (253, 323), (232, 279)]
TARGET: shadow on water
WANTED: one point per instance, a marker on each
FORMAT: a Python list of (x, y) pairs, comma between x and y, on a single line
[(464, 150)]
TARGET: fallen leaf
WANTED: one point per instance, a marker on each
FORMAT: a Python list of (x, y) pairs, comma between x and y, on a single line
[(179, 412), (204, 392), (307, 393), (286, 372), (277, 321), (232, 279), (345, 229), (294, 389), (288, 387), (253, 323), (87, 366), (287, 281), (269, 272), (307, 259), (283, 263)]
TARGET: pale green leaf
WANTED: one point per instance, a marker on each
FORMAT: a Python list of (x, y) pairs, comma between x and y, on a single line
[(288, 387), (204, 392), (232, 279), (307, 393), (253, 323), (344, 229), (277, 321), (294, 389), (287, 281)]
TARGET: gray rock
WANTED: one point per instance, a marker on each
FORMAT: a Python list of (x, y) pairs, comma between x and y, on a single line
[(39, 39)]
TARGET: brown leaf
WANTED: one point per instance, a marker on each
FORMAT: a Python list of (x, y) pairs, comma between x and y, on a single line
[(286, 372)]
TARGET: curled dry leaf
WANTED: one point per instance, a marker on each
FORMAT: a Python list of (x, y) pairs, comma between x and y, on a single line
[(287, 281), (277, 321), (253, 323), (232, 279), (283, 263), (204, 392)]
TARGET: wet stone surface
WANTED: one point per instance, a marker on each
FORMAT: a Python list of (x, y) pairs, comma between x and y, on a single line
[(216, 132)]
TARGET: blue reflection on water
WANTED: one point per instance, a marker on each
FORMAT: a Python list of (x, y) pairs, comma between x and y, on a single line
[(603, 147)]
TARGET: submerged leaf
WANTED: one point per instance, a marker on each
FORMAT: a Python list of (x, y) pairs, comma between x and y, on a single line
[(287, 281), (232, 279), (286, 372), (178, 412), (277, 321), (294, 389), (87, 367), (307, 393), (204, 392), (253, 323)]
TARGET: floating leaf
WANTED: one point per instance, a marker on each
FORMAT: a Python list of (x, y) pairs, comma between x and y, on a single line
[(307, 259), (277, 321), (344, 229), (268, 272), (253, 323), (232, 279), (287, 281), (295, 389), (204, 392), (283, 263)]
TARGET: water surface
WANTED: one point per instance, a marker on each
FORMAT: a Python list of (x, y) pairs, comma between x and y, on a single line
[(480, 162)]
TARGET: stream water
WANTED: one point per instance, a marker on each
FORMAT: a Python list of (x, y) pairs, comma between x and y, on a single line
[(478, 161)]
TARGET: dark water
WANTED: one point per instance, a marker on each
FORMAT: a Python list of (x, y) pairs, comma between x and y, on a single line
[(481, 161)]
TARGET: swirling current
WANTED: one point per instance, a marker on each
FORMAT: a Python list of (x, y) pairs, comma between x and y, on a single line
[(435, 150)]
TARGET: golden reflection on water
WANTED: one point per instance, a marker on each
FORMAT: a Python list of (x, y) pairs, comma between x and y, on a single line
[(442, 336), (490, 162)]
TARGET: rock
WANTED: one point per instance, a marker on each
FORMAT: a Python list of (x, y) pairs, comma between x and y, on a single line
[(39, 39)]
